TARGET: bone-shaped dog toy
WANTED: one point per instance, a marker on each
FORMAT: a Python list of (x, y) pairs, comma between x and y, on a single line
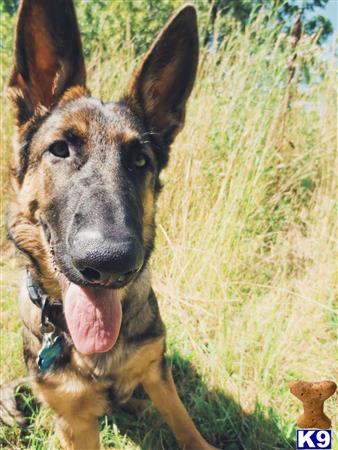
[(313, 396)]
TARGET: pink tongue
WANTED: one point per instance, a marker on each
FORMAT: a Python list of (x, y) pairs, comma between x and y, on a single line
[(93, 317)]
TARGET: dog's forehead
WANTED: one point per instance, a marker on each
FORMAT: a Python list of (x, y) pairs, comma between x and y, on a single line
[(89, 118)]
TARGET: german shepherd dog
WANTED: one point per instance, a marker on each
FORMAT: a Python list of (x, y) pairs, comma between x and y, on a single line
[(85, 184)]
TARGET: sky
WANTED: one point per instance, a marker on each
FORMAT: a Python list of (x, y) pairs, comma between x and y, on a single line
[(330, 12)]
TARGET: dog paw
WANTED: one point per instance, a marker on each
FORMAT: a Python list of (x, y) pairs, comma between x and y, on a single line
[(10, 413)]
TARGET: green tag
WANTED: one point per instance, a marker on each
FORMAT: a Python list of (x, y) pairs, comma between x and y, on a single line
[(50, 351)]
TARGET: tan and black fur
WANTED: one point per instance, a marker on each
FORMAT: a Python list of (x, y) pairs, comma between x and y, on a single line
[(77, 166)]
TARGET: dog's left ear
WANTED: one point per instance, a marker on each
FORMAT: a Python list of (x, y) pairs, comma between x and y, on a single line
[(163, 82), (48, 55)]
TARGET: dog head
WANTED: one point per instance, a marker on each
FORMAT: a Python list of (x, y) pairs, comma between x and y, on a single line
[(86, 173)]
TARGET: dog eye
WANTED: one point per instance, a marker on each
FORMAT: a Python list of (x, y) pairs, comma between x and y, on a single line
[(140, 160), (59, 149)]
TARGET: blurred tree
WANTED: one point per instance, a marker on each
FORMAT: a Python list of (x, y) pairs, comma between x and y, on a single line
[(246, 10), (9, 6), (104, 23), (138, 20)]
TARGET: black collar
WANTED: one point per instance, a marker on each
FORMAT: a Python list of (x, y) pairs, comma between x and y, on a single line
[(49, 308)]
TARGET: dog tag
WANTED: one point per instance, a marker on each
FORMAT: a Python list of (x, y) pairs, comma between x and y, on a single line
[(51, 349)]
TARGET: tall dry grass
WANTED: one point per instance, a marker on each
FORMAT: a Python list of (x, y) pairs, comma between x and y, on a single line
[(244, 266)]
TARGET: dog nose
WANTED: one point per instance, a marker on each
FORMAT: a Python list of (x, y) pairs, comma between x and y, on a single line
[(106, 261)]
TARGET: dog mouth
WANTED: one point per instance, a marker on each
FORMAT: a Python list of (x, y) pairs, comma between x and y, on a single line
[(93, 312), (87, 278), (93, 316)]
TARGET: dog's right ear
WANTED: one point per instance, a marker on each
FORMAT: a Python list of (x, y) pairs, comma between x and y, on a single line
[(48, 56), (163, 81)]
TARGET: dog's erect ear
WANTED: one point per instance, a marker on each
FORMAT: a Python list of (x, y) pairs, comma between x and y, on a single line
[(48, 55), (162, 83)]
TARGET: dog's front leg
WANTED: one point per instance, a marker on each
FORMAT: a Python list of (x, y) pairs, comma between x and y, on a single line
[(77, 406), (78, 434), (160, 386)]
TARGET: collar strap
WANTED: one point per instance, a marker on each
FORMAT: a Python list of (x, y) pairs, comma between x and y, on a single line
[(35, 291), (41, 300)]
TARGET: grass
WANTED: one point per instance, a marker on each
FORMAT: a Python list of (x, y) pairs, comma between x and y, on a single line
[(244, 266)]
